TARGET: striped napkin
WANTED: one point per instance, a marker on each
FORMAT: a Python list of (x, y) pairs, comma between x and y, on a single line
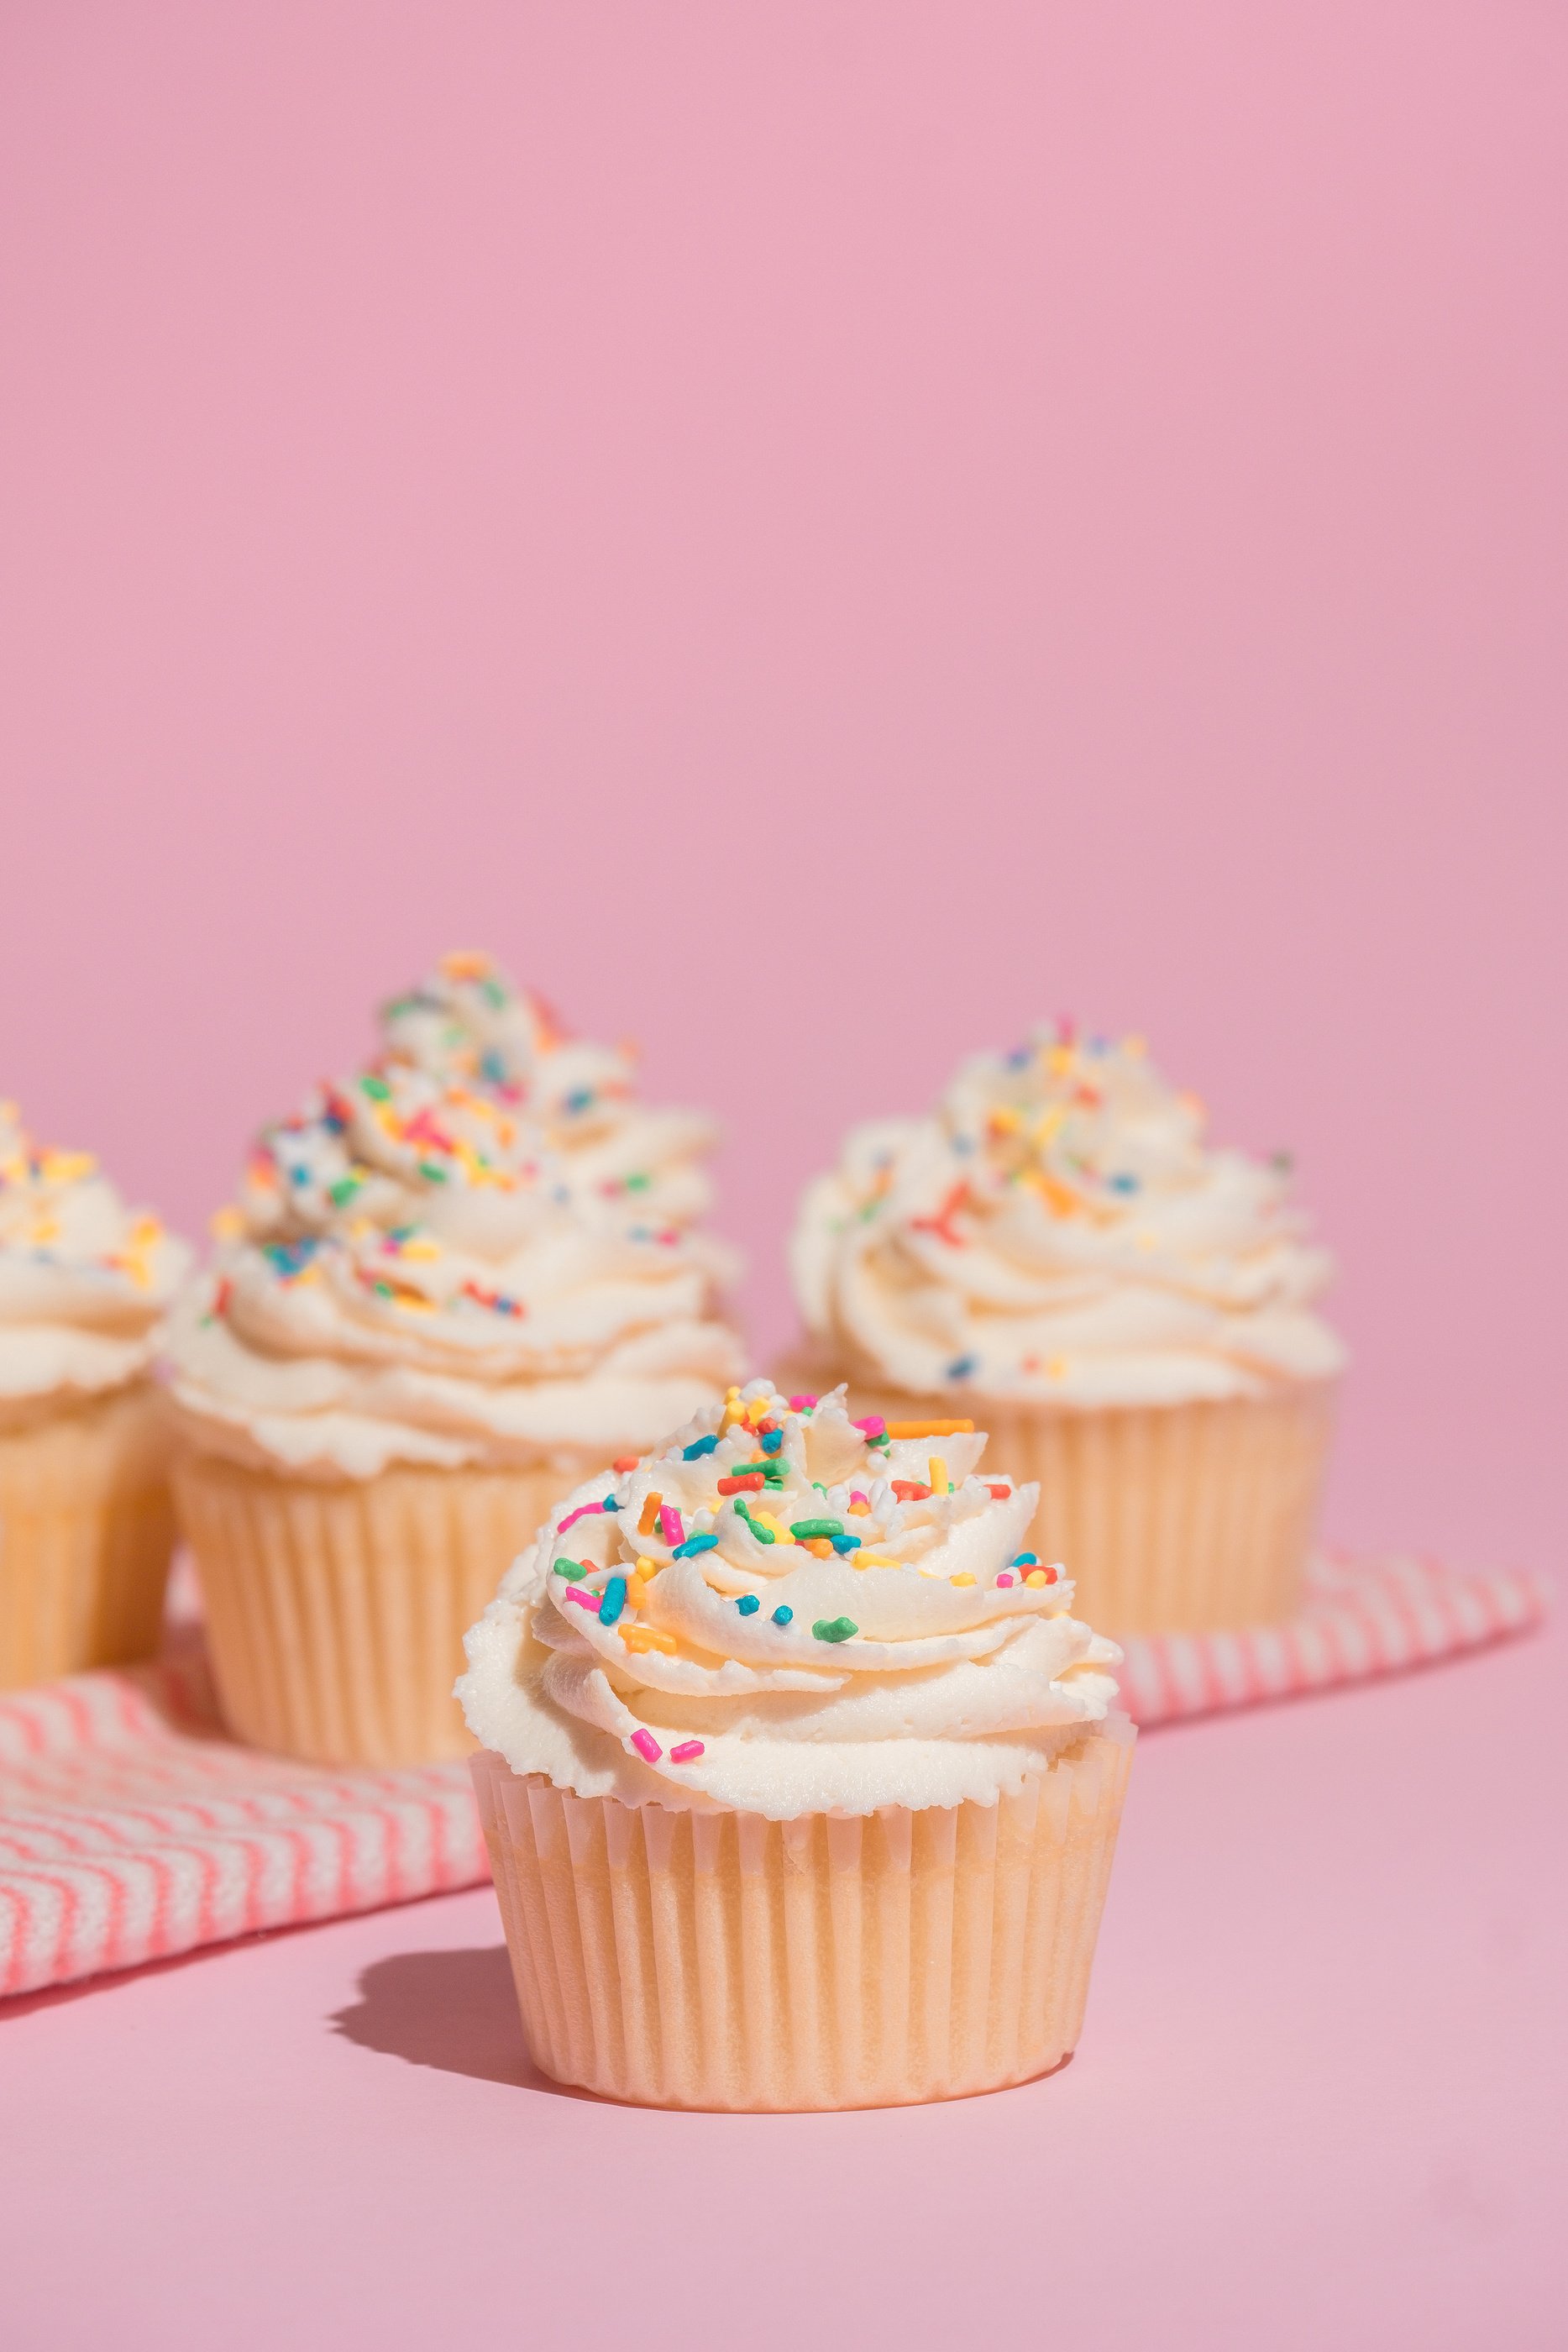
[(132, 1828)]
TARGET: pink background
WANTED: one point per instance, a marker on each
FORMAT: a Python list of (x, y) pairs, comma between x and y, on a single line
[(821, 533)]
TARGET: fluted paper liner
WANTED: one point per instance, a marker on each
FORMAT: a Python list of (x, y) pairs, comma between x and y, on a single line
[(336, 1612), (723, 1960), (1169, 1518), (87, 1529)]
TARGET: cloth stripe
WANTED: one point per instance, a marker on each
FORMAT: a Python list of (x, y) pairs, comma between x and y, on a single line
[(1362, 1618), (132, 1828)]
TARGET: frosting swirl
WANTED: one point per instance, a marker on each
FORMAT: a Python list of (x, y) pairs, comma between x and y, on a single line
[(410, 1274), (1059, 1230), (468, 1022), (786, 1611), (84, 1280)]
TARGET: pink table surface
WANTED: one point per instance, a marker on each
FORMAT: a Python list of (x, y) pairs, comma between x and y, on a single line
[(1320, 2099)]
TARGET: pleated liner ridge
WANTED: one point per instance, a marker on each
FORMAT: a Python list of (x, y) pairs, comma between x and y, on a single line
[(722, 1960), (87, 1529), (336, 1612), (1169, 1518)]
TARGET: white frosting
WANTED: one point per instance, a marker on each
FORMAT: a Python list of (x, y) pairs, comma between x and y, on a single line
[(410, 1274), (956, 1676), (83, 1279), (1060, 1231), (469, 1022)]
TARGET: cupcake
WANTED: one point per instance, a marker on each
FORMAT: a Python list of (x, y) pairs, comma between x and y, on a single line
[(1060, 1252), (85, 1521), (800, 1781), (420, 1325)]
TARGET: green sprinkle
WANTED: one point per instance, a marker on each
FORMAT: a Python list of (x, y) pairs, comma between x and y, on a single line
[(763, 1535), (434, 1170), (805, 1530), (343, 1189), (377, 1089), (834, 1629), (574, 1571), (638, 1183)]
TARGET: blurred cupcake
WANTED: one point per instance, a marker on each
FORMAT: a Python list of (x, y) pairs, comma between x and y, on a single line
[(801, 1783), (85, 1521), (418, 1328), (1059, 1252)]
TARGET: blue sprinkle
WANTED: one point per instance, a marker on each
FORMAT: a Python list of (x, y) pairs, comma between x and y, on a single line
[(1024, 1559), (782, 1615), (614, 1600), (961, 1367), (493, 1067), (843, 1544), (579, 1098), (748, 1604), (609, 1504), (772, 1441), (1021, 1057), (692, 1544), (1123, 1183), (703, 1445)]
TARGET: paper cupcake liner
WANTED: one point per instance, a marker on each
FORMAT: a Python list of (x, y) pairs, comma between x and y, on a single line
[(336, 1612), (722, 1960), (1169, 1518), (87, 1528)]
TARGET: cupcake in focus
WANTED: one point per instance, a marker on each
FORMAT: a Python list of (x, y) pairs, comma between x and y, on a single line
[(87, 1525), (1059, 1252), (418, 1328), (801, 1781)]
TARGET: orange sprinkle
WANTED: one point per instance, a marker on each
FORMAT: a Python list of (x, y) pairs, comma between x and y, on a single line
[(650, 1517), (930, 1429)]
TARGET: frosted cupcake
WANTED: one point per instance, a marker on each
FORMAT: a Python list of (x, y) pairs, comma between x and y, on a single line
[(417, 1330), (85, 1520), (1060, 1252), (800, 1781)]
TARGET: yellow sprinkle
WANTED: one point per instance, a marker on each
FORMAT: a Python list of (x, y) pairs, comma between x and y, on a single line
[(775, 1527), (869, 1560), (859, 1511), (936, 1476), (1057, 1369), (964, 1579), (421, 1249), (47, 1228), (1059, 1060), (226, 1226), (650, 1517), (66, 1167), (648, 1568), (1036, 1576), (647, 1637)]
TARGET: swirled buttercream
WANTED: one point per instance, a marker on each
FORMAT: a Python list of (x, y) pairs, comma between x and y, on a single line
[(410, 1275), (468, 1022), (83, 1279), (1059, 1230), (786, 1611)]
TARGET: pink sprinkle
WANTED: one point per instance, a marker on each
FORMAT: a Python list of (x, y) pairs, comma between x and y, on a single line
[(686, 1753), (670, 1526), (798, 1404), (572, 1518), (1004, 1580), (583, 1600), (647, 1747), (856, 1497), (872, 1425)]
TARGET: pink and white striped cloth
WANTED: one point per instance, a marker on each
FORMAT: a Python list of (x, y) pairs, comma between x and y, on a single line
[(132, 1828)]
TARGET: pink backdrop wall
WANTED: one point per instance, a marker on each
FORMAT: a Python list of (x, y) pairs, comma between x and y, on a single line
[(819, 533)]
